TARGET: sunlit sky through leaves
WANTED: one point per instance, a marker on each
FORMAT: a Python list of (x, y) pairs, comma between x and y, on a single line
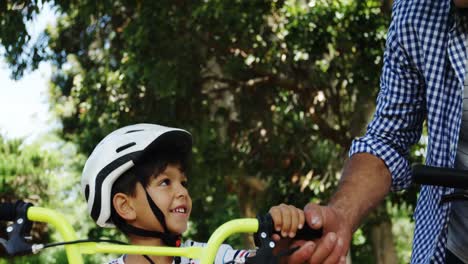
[(24, 109)]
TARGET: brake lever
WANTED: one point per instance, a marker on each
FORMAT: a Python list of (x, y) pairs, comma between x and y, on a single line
[(264, 254), (16, 245), (265, 243)]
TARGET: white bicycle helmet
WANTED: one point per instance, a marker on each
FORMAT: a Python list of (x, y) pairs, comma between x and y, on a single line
[(116, 154)]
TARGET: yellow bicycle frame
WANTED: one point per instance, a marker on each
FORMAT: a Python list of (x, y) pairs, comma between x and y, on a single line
[(206, 255)]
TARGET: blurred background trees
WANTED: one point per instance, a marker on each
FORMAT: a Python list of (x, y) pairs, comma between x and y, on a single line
[(28, 173), (272, 91)]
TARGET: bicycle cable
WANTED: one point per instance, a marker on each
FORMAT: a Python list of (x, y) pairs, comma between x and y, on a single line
[(148, 259), (284, 253), (177, 259), (83, 241)]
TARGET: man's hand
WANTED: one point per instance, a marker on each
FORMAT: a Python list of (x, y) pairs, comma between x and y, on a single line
[(364, 183), (333, 246)]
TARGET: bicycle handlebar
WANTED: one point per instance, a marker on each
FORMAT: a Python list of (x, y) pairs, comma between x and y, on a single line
[(306, 233), (265, 244), (28, 213), (8, 211), (447, 177)]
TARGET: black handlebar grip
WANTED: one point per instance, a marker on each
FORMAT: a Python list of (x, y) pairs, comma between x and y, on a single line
[(266, 225), (8, 211), (447, 177), (307, 233)]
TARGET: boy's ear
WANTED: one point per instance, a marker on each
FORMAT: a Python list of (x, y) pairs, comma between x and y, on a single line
[(124, 207)]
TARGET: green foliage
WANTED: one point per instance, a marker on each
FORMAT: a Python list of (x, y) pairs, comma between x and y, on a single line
[(26, 172), (403, 229), (362, 248), (49, 178)]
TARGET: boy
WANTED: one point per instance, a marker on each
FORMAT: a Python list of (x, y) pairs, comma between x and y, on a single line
[(135, 180)]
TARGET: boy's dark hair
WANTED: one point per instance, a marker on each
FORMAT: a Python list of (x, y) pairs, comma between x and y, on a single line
[(152, 164)]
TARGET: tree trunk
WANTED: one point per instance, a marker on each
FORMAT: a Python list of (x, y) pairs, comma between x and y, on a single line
[(250, 188), (387, 6), (382, 242)]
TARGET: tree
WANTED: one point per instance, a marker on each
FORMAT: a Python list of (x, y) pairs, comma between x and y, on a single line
[(273, 91), (44, 175), (27, 173)]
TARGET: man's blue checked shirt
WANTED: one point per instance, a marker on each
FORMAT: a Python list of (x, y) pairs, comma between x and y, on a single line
[(422, 79)]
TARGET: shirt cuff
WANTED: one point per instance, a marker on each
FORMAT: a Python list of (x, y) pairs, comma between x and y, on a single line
[(397, 164)]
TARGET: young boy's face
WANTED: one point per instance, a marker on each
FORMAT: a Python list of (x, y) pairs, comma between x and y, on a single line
[(169, 192)]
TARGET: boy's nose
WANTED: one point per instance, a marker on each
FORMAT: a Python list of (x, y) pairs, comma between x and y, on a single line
[(182, 190)]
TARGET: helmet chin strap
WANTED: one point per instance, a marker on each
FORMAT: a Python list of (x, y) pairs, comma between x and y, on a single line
[(169, 239), (167, 236)]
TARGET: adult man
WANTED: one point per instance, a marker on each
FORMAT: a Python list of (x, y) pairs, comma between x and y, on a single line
[(423, 79)]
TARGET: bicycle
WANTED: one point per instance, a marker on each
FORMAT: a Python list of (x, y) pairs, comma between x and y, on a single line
[(24, 214)]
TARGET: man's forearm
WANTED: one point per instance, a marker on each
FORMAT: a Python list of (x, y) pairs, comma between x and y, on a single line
[(365, 182)]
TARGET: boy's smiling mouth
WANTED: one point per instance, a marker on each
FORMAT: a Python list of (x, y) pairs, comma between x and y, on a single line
[(179, 209)]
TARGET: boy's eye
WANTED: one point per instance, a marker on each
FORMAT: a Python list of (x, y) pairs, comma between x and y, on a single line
[(184, 183), (165, 182)]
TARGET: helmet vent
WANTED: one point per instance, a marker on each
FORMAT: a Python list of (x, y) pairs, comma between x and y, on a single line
[(86, 192), (124, 147), (132, 131)]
